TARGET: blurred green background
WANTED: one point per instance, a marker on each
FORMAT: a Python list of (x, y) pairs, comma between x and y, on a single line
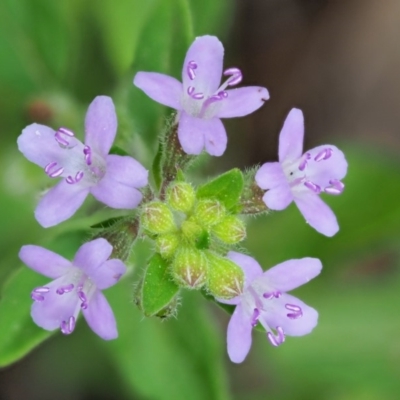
[(339, 62)]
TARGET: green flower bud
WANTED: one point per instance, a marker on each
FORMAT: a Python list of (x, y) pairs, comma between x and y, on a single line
[(189, 268), (181, 196), (157, 218), (191, 230), (230, 230), (225, 278), (209, 212), (167, 244)]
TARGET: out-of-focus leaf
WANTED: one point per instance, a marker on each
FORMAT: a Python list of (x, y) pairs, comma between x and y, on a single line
[(18, 333), (121, 24), (176, 359), (158, 289), (226, 188)]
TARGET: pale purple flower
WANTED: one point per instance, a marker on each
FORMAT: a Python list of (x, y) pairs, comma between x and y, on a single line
[(201, 100), (76, 287), (86, 168), (302, 177), (264, 300)]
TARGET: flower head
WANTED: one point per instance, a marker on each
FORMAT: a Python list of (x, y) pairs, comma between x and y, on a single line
[(302, 177), (200, 99), (76, 287), (86, 168), (264, 300)]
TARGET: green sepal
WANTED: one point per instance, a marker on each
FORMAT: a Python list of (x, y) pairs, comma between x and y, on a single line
[(106, 223), (156, 168), (118, 151), (158, 289), (227, 188)]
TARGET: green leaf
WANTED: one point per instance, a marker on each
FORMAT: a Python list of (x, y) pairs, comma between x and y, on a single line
[(175, 359), (226, 188), (18, 333), (158, 289)]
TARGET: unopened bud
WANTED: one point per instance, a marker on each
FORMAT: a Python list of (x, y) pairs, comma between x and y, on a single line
[(191, 230), (209, 212), (225, 278), (167, 244), (157, 218), (181, 196), (189, 268), (230, 230)]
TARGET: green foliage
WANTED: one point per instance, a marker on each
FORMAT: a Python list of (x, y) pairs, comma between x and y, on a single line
[(226, 188), (158, 290)]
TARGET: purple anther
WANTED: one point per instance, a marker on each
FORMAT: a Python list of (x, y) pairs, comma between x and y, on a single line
[(51, 172), (198, 96), (297, 311), (41, 290), (36, 296), (82, 296), (235, 76), (323, 154), (312, 186), (303, 163), (190, 90), (254, 318), (65, 289), (68, 327), (191, 66), (59, 136), (78, 177), (271, 295), (66, 131), (276, 340), (87, 151), (335, 188)]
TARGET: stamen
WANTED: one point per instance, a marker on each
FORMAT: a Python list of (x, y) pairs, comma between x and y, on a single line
[(254, 318), (59, 136), (65, 289), (51, 172), (303, 163), (297, 311), (78, 177), (87, 151), (271, 295), (276, 340), (193, 95), (41, 289), (235, 74), (323, 154), (68, 327), (36, 296), (336, 188), (83, 299), (191, 66), (312, 186)]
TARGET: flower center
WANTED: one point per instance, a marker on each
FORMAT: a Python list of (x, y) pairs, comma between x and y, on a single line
[(200, 104), (76, 163), (299, 176)]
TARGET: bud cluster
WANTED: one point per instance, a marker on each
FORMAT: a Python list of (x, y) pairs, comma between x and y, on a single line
[(190, 233)]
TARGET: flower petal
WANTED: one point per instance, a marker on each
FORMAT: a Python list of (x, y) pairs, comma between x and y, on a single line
[(101, 125), (270, 175), (317, 213), (44, 261), (321, 172), (38, 145), (115, 194), (60, 203), (215, 138), (239, 335), (55, 308), (100, 317), (291, 274), (208, 53), (277, 316), (162, 88), (127, 170), (190, 133), (249, 265), (279, 197), (292, 136), (108, 273), (242, 101), (91, 255)]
